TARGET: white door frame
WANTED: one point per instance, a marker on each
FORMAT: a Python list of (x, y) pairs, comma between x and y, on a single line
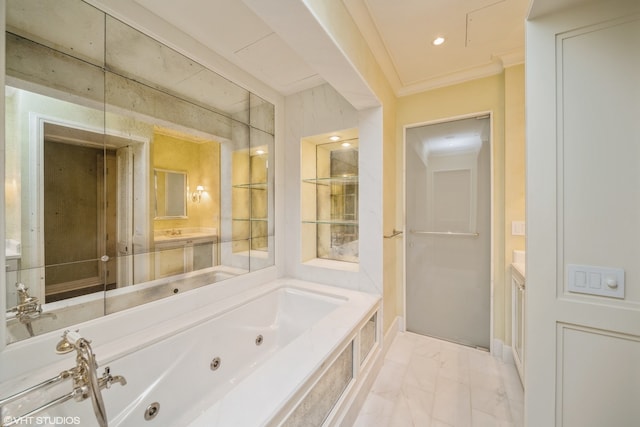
[(36, 181), (492, 347)]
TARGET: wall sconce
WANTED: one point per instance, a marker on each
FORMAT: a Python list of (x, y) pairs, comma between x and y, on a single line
[(197, 195)]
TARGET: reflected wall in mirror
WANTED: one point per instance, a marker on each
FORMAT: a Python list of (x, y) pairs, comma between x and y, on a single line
[(187, 243), (132, 172)]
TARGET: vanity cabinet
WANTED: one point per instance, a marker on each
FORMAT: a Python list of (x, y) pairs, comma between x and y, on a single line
[(177, 255), (518, 318)]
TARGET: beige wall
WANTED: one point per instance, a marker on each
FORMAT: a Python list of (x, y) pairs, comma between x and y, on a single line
[(201, 161), (514, 172), (495, 94)]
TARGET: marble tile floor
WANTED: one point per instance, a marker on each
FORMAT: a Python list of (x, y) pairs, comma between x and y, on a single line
[(426, 382)]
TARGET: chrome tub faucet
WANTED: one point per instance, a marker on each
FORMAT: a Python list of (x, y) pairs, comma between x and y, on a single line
[(27, 309), (86, 382)]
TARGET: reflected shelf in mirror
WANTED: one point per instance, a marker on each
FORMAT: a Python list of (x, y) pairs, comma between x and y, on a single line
[(332, 180), (253, 186)]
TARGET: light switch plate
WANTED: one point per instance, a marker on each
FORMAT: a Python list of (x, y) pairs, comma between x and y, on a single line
[(603, 281), (518, 228)]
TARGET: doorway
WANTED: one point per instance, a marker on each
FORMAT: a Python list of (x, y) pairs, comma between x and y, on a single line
[(79, 219), (448, 225)]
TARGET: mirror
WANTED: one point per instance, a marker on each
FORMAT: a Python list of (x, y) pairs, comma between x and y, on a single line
[(170, 194), (132, 172)]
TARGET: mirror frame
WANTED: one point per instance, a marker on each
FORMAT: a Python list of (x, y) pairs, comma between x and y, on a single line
[(167, 201)]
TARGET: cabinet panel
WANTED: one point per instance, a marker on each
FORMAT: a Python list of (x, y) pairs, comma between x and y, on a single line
[(170, 261), (518, 327)]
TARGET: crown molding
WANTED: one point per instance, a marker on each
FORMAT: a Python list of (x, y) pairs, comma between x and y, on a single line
[(499, 62), (361, 14), (457, 77), (510, 58)]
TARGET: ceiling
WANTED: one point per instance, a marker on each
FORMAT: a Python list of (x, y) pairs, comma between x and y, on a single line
[(482, 36), (232, 30)]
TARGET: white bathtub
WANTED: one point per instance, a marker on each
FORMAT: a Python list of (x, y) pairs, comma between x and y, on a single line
[(301, 326)]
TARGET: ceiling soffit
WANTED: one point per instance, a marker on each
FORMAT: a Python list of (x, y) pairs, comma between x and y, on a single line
[(234, 31)]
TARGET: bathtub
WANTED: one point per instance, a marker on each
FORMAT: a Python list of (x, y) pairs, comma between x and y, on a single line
[(252, 359)]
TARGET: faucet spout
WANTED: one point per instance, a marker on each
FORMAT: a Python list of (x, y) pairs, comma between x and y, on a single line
[(88, 366), (107, 379), (27, 309), (85, 377)]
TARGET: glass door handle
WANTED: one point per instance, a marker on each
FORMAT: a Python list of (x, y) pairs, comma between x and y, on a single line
[(445, 233)]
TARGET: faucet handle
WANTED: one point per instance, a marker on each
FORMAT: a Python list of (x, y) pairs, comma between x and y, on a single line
[(68, 342), (72, 337), (107, 379)]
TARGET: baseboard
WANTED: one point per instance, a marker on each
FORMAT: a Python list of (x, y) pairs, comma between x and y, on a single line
[(507, 355), (391, 334), (502, 351)]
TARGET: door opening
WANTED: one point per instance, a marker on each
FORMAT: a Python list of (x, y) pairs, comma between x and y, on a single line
[(79, 219), (448, 223)]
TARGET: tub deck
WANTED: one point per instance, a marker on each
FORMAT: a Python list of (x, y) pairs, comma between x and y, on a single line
[(301, 326)]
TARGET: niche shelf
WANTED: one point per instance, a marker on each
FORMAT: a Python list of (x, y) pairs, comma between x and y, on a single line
[(253, 186), (250, 213), (330, 199)]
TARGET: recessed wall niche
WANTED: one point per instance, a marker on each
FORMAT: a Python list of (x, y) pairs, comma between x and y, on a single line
[(329, 197)]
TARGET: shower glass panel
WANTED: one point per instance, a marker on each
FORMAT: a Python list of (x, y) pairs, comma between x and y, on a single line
[(448, 205)]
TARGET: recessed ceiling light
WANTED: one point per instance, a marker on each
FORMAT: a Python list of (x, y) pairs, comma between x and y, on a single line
[(438, 41), (334, 138), (346, 144)]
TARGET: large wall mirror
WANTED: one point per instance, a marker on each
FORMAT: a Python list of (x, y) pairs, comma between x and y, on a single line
[(132, 172)]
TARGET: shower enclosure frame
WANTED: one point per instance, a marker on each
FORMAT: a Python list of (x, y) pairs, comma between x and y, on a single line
[(494, 347)]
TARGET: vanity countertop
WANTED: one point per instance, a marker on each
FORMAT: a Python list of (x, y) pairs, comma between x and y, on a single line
[(178, 235), (12, 249), (519, 268), (518, 264)]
